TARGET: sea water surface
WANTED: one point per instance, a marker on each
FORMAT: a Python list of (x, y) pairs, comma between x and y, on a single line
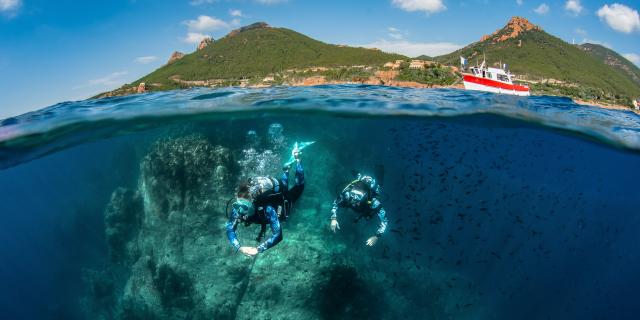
[(499, 207)]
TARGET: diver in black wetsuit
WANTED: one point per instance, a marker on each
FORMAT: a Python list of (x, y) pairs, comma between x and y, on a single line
[(362, 196), (265, 200)]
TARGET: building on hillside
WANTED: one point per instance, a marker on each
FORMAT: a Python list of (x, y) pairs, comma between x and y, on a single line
[(636, 104), (268, 79), (416, 64)]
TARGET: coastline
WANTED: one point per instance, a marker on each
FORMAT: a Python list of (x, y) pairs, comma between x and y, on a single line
[(380, 78), (605, 105), (314, 81)]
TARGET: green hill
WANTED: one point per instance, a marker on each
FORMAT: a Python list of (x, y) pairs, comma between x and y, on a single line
[(256, 51), (423, 57), (531, 52), (613, 59)]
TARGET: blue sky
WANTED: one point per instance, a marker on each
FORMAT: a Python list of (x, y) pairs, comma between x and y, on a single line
[(53, 51)]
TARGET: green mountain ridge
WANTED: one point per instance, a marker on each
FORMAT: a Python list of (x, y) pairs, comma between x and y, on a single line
[(537, 55), (259, 50), (613, 59)]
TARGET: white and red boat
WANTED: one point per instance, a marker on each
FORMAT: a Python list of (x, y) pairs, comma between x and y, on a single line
[(496, 80)]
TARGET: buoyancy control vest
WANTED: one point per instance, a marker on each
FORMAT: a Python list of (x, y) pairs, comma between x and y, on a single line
[(268, 191), (359, 194)]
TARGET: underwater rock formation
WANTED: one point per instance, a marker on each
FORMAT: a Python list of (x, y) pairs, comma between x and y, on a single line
[(171, 259), (122, 218), (183, 173)]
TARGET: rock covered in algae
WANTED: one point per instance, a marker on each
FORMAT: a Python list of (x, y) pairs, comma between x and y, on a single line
[(122, 217), (182, 173)]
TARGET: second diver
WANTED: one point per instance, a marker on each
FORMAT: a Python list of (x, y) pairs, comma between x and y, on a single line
[(362, 196)]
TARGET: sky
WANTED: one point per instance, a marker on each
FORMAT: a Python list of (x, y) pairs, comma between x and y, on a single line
[(64, 50)]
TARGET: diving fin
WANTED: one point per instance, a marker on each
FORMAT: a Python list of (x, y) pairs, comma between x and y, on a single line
[(298, 146)]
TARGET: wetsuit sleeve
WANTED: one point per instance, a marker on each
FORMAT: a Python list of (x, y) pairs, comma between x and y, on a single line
[(276, 230), (231, 226), (299, 173), (336, 204), (376, 206)]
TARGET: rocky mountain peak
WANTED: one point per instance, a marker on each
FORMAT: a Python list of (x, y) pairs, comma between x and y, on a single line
[(176, 55), (205, 42), (257, 25), (513, 29), (521, 24)]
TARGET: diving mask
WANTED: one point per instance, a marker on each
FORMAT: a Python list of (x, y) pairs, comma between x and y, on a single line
[(243, 206)]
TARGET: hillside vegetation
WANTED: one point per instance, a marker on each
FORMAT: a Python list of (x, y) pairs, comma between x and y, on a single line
[(259, 51), (614, 60), (541, 57)]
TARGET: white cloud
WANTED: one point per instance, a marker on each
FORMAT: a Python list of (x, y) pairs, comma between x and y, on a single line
[(113, 79), (519, 2), (195, 37), (633, 57), (414, 49), (395, 33), (206, 23), (10, 7), (574, 7), (198, 29), (146, 59), (235, 13), (542, 9), (428, 6), (581, 32), (620, 17)]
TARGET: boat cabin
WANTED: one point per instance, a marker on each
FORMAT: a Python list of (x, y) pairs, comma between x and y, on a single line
[(492, 74)]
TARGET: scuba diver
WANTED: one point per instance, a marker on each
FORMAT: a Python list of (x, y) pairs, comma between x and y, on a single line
[(362, 196), (266, 200)]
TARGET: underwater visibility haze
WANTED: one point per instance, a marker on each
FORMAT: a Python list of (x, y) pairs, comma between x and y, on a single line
[(498, 207)]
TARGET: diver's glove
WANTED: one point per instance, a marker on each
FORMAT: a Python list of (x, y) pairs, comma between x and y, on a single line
[(335, 226)]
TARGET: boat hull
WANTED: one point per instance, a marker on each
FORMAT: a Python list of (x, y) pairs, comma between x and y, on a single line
[(482, 84)]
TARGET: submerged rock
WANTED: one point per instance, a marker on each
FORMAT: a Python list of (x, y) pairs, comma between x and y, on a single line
[(186, 173), (122, 219)]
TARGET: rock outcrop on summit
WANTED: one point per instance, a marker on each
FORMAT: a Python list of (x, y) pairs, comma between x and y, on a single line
[(205, 42), (176, 55), (515, 27)]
